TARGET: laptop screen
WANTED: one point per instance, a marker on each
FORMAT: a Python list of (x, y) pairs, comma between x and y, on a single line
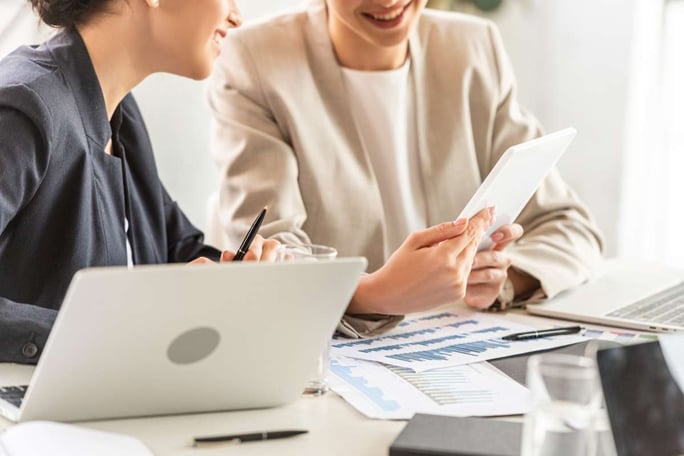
[(645, 404)]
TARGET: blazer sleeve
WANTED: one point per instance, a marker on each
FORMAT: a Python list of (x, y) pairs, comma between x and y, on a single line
[(185, 241), (257, 164), (561, 245), (24, 328)]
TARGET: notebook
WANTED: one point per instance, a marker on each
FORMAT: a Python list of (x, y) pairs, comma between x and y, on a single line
[(433, 435), (644, 402), (626, 294), (171, 339)]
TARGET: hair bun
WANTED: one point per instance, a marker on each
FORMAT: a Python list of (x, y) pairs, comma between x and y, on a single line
[(63, 13)]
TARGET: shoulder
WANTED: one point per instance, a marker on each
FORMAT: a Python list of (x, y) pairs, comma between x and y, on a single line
[(272, 28), (31, 83), (458, 42), (449, 29), (272, 41)]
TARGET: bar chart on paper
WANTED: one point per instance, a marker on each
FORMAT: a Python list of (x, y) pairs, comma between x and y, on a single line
[(447, 339), (389, 392)]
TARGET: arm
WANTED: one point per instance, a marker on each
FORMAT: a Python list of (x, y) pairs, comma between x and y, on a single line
[(185, 241), (24, 328), (561, 244)]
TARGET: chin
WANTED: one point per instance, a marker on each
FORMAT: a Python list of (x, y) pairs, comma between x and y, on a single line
[(199, 71)]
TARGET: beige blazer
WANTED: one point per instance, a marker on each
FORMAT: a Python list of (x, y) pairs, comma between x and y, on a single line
[(284, 136)]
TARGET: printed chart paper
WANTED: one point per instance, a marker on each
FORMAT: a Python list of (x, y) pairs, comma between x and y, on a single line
[(389, 392), (447, 339)]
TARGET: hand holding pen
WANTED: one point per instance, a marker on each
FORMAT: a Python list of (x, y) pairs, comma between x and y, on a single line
[(254, 247), (249, 237)]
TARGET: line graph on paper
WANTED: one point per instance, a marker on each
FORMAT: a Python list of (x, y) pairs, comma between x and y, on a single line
[(447, 339), (388, 392)]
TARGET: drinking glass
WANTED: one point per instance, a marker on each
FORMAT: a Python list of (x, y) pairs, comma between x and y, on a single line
[(566, 403), (318, 385)]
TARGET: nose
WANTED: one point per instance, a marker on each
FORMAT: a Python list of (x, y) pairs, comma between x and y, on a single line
[(234, 17)]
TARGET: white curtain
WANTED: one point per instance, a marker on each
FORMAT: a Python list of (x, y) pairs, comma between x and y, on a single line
[(653, 184)]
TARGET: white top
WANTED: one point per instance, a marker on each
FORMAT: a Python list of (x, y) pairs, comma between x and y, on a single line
[(383, 105), (129, 252)]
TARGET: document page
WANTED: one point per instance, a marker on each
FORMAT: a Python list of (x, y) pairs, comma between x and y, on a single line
[(389, 392), (447, 339)]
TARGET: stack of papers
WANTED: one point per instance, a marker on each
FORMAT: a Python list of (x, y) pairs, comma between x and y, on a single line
[(436, 364)]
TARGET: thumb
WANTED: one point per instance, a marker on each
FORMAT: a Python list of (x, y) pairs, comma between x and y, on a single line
[(227, 256), (436, 234)]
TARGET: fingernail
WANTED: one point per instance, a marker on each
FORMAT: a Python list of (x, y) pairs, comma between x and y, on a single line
[(460, 222), (492, 211), (496, 237)]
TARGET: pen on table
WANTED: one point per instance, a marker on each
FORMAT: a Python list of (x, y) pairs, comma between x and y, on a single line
[(249, 237), (543, 333), (241, 438)]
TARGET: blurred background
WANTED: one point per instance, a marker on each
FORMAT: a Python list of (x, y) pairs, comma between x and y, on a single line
[(610, 68)]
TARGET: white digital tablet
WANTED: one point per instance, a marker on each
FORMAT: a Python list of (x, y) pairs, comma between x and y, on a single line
[(515, 177)]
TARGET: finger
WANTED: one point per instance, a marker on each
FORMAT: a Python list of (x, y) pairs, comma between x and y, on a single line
[(475, 230), (255, 249), (201, 260), (493, 276), (481, 296), (491, 259), (227, 256), (270, 250), (480, 223), (477, 226), (505, 235), (436, 234)]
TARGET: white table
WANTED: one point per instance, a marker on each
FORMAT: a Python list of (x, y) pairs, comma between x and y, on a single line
[(335, 428)]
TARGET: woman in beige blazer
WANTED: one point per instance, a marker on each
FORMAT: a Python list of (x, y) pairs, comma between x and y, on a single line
[(364, 122)]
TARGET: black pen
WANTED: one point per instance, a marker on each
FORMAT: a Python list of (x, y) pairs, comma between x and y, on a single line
[(249, 237), (241, 438), (543, 333)]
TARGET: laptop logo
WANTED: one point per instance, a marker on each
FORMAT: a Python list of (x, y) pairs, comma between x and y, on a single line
[(193, 345)]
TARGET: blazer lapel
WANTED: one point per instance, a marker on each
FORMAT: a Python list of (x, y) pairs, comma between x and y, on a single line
[(447, 168), (329, 79)]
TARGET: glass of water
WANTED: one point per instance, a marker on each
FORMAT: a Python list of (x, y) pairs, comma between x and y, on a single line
[(318, 384), (566, 403)]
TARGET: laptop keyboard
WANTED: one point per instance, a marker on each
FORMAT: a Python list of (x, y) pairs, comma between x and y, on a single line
[(666, 307), (13, 394)]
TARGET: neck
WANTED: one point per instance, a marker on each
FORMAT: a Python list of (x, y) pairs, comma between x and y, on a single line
[(352, 51), (112, 46)]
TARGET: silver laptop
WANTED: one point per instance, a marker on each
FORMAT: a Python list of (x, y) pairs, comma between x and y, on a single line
[(626, 294), (179, 339)]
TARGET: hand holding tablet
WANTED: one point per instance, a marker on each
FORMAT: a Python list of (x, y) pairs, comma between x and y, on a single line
[(515, 178)]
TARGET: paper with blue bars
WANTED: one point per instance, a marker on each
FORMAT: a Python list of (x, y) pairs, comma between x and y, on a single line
[(388, 392), (447, 339)]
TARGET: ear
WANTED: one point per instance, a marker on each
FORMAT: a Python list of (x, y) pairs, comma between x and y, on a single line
[(152, 3)]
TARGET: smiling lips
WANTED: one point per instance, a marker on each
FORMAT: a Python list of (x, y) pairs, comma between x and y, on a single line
[(219, 35), (389, 16)]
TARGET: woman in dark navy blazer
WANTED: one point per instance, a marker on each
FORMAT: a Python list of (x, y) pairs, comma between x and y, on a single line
[(78, 182)]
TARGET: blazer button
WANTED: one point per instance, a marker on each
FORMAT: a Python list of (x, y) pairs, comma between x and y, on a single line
[(29, 350)]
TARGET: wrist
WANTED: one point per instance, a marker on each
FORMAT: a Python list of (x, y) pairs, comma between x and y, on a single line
[(367, 299)]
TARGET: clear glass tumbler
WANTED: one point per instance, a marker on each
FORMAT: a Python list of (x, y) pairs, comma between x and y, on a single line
[(318, 385), (566, 404)]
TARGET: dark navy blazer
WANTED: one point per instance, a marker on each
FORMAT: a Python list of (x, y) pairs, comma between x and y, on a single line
[(62, 198)]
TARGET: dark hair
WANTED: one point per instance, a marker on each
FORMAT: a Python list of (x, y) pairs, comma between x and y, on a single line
[(67, 13)]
